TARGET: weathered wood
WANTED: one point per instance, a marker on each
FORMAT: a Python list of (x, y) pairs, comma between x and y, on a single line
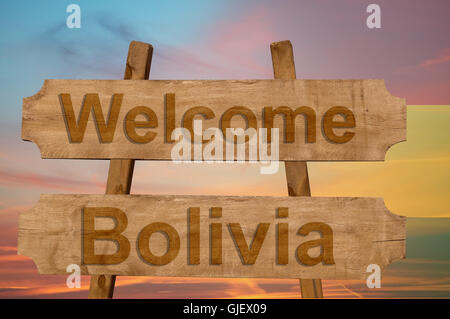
[(120, 173), (296, 172), (363, 232), (379, 117), (311, 288)]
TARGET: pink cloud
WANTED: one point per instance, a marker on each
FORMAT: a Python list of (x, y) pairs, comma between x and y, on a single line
[(246, 38), (175, 56), (13, 210), (25, 179), (424, 94), (443, 56)]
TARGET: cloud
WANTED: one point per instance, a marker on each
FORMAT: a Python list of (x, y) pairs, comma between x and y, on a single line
[(245, 41), (122, 31), (40, 181), (101, 51), (442, 56)]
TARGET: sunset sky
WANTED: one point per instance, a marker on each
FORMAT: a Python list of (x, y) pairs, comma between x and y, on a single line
[(230, 40)]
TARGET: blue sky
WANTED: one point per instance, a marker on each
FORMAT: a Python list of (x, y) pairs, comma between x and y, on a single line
[(36, 44)]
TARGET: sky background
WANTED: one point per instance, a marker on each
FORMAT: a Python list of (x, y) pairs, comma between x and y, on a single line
[(230, 40)]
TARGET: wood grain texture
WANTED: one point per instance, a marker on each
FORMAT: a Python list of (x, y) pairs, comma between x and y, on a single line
[(284, 69), (120, 173), (380, 118), (296, 172), (311, 288), (364, 232)]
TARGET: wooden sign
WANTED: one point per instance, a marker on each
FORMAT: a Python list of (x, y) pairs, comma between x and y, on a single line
[(211, 236), (135, 119)]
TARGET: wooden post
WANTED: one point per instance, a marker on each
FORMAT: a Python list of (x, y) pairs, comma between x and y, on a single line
[(120, 171), (296, 172)]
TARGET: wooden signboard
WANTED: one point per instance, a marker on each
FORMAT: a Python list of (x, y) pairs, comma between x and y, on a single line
[(211, 236), (317, 119)]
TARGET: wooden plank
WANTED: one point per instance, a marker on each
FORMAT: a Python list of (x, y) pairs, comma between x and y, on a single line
[(51, 117), (296, 172), (355, 232), (311, 288), (120, 171)]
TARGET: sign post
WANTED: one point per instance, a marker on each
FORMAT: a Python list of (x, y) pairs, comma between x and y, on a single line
[(212, 236), (300, 236), (296, 172), (120, 173)]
